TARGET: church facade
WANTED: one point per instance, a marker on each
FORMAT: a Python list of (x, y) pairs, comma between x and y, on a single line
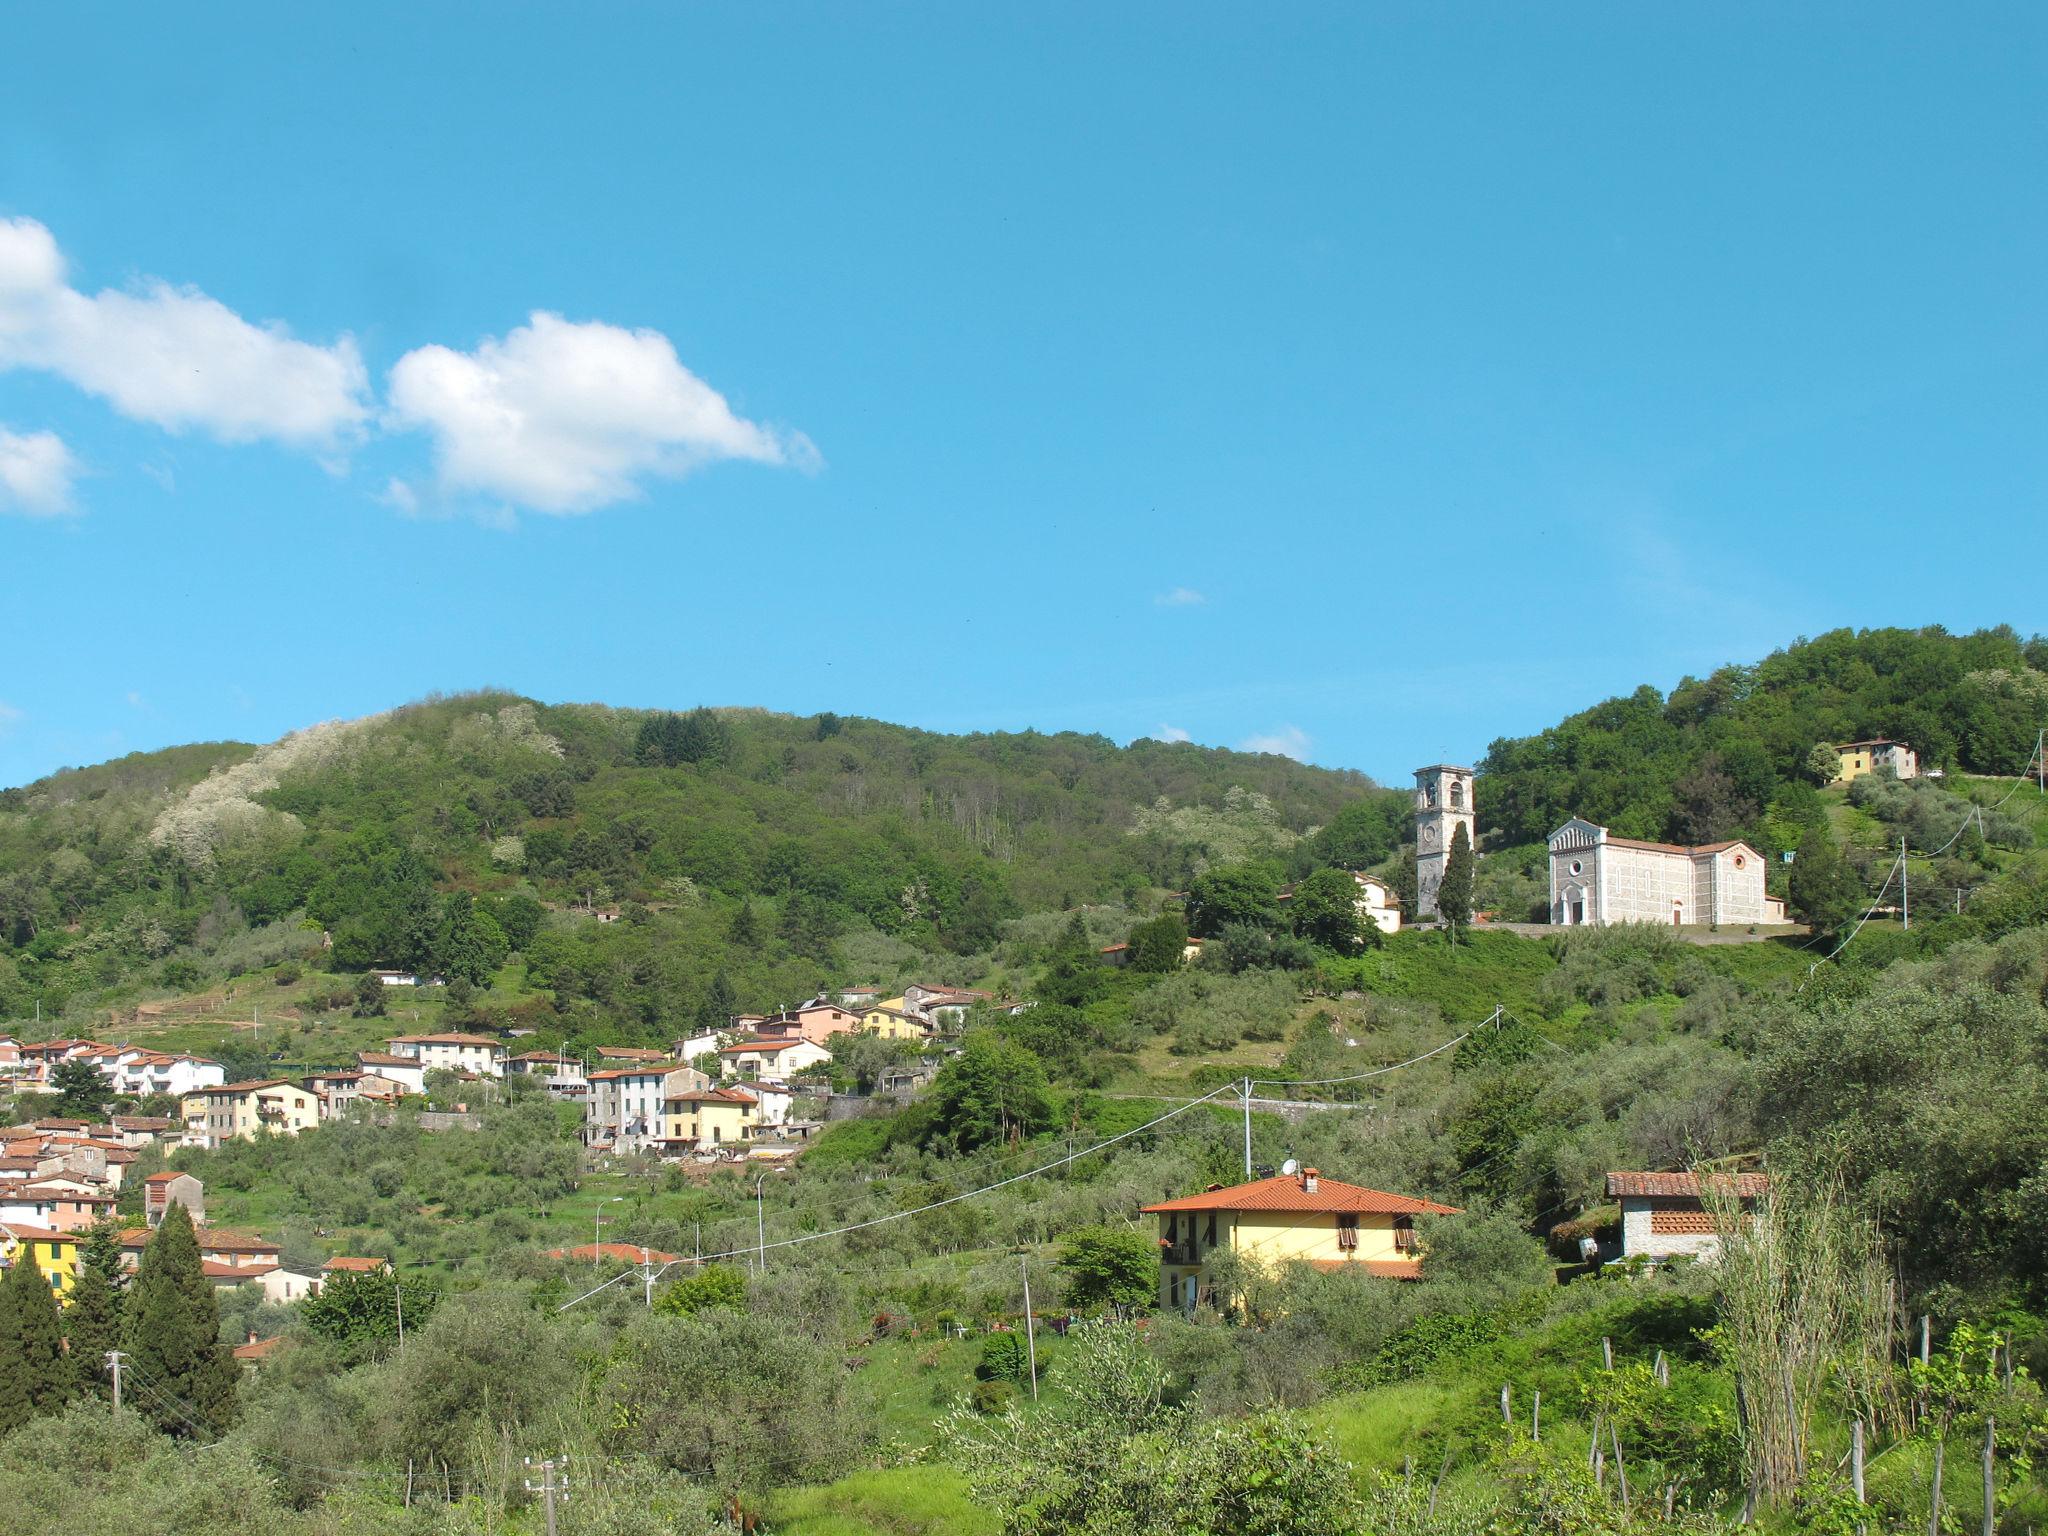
[(1443, 803), (1597, 878)]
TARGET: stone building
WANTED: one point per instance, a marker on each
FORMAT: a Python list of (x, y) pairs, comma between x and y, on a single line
[(1663, 1215), (1598, 878), (1443, 803)]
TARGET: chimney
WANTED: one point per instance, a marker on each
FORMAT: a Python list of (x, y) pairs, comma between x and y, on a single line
[(252, 1337), (1308, 1181)]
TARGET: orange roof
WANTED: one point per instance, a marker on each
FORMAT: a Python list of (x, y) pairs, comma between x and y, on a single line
[(764, 1046), (624, 1253), (1684, 1186), (258, 1349), (213, 1239), (385, 1059), (606, 1074), (1288, 1192), (355, 1265), (166, 1176), (1386, 1269), (447, 1039), (28, 1232)]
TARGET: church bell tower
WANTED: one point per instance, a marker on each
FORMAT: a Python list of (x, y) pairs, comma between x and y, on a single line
[(1443, 803)]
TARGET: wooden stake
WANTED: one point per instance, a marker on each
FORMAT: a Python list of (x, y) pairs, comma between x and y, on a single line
[(1934, 1507), (1620, 1471), (1856, 1458), (1670, 1499), (1536, 1417), (1506, 1417), (1437, 1486), (1606, 1352), (1990, 1482)]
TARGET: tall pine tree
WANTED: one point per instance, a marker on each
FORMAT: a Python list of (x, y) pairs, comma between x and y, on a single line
[(93, 1320), (32, 1349), (171, 1329), (1454, 896), (16, 1408)]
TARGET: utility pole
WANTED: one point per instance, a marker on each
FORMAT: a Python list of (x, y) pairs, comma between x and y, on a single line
[(1030, 1330), (398, 1300), (760, 1228), (647, 1276), (549, 1488), (1905, 886), (1247, 1130), (114, 1359)]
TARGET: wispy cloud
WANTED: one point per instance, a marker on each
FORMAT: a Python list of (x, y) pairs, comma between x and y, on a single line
[(173, 356), (1169, 733), (10, 717), (1180, 597), (36, 471), (563, 416), (1288, 741)]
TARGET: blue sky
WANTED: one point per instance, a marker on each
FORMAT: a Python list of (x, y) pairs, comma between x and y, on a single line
[(1363, 381)]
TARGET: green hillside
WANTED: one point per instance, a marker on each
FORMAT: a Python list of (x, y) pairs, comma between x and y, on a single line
[(168, 871)]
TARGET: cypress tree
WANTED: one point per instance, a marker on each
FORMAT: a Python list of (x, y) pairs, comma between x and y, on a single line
[(1454, 896), (39, 1336), (93, 1320), (171, 1329), (16, 1405)]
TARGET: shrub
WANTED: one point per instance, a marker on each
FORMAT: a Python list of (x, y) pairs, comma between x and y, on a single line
[(1004, 1357)]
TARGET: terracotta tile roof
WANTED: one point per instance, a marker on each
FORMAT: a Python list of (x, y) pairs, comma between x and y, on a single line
[(445, 1039), (211, 1239), (354, 1264), (763, 1046), (385, 1059), (1287, 1192), (165, 1177), (28, 1232), (1683, 1186), (628, 1053), (249, 1087), (214, 1270), (259, 1349), (1386, 1269), (623, 1253), (606, 1074)]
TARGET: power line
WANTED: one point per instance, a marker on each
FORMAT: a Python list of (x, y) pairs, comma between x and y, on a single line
[(971, 1194), (1359, 1077)]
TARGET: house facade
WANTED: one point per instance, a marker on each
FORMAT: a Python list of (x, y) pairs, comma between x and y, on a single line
[(892, 1024), (1663, 1215), (711, 1117), (407, 1071), (161, 1191), (1299, 1217), (1860, 757), (1599, 879), (627, 1106), (245, 1111), (775, 1060), (478, 1055), (54, 1254)]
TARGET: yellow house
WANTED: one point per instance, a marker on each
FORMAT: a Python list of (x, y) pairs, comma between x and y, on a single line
[(1860, 757), (711, 1117), (54, 1253), (1298, 1217), (244, 1111), (891, 1023)]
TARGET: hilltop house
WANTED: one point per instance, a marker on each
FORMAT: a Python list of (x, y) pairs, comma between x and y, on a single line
[(1597, 878), (61, 1205), (776, 1060), (1663, 1215), (268, 1106), (1300, 1217), (479, 1055), (229, 1259), (816, 1021), (338, 1090), (892, 1023), (1860, 757)]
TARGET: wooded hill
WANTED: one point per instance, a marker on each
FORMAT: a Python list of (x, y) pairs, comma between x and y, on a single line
[(740, 837)]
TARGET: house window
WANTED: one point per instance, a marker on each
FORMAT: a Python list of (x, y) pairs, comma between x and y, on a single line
[(1347, 1231), (1210, 1236), (1404, 1234)]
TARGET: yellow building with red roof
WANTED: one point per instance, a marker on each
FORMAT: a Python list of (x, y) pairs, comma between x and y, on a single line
[(1294, 1218)]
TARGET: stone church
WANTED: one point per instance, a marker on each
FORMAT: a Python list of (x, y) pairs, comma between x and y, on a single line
[(1598, 878), (1443, 803)]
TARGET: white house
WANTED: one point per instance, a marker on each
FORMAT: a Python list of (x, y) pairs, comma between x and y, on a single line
[(1599, 879), (699, 1042), (1377, 903), (409, 1072), (1663, 1216), (773, 1102), (147, 1072), (479, 1055), (776, 1060)]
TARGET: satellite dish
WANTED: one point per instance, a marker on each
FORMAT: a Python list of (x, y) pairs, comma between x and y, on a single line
[(1290, 1167)]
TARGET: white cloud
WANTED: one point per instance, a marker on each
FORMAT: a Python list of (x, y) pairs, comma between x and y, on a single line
[(1288, 741), (1169, 733), (173, 356), (401, 496), (36, 471), (564, 416), (1180, 597), (9, 717)]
